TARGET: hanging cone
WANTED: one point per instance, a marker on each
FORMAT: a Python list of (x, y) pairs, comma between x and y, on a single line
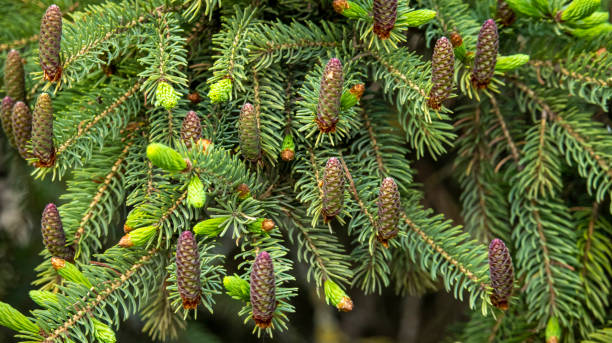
[(188, 270), (49, 43), (333, 189), (330, 92), (42, 132), (22, 128), (248, 133), (388, 210), (263, 290), (385, 14), (502, 274), (14, 76), (486, 54), (53, 234), (191, 130), (6, 117), (442, 71)]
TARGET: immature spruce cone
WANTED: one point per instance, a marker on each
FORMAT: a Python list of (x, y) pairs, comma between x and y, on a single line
[(388, 210), (191, 131), (248, 133), (486, 54), (6, 116), (42, 131), (22, 127), (188, 270), (53, 234), (333, 189), (49, 43), (263, 290), (505, 13), (385, 14), (330, 93), (14, 77), (502, 274), (442, 70)]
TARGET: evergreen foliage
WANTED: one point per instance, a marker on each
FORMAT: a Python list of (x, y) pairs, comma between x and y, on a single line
[(249, 121)]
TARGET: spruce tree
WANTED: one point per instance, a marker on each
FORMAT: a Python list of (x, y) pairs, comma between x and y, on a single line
[(292, 128)]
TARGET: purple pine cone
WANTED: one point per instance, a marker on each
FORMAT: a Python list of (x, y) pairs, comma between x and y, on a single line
[(263, 290), (501, 272), (385, 14), (6, 117), (42, 131), (14, 76), (388, 210), (188, 270), (330, 92), (333, 189), (53, 234), (442, 71), (486, 54), (191, 131), (22, 128), (49, 43)]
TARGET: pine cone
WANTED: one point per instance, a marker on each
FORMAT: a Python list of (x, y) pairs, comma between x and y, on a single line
[(6, 114), (388, 210), (263, 290), (333, 189), (442, 71), (248, 133), (385, 14), (42, 131), (49, 43), (330, 93), (22, 127), (191, 131), (53, 234), (505, 13), (14, 76), (502, 274), (486, 54), (188, 270)]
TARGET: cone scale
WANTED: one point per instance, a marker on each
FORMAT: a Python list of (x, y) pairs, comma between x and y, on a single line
[(49, 43), (263, 290), (188, 270)]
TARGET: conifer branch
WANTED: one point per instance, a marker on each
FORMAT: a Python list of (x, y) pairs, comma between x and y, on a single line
[(509, 140)]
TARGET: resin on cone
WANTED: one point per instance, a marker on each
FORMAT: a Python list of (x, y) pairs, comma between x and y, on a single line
[(49, 43), (191, 130), (330, 92), (502, 274), (6, 118), (14, 76), (388, 210), (385, 14), (188, 270), (442, 71), (22, 128), (42, 132), (53, 234), (263, 290), (486, 55), (333, 189), (248, 133)]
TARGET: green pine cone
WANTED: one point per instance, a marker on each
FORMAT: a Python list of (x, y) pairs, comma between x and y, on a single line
[(486, 54), (330, 93), (103, 333), (44, 298), (188, 270), (6, 114), (220, 91), (195, 192), (14, 76), (22, 128), (15, 320), (53, 234), (579, 9), (335, 296), (333, 189), (442, 71), (42, 131), (388, 210), (418, 17), (237, 288), (385, 15), (263, 290), (49, 43), (210, 227), (166, 96), (166, 158), (248, 133), (191, 130), (70, 272)]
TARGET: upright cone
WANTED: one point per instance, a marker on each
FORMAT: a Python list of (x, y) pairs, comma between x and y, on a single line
[(22, 128), (330, 93), (502, 274), (505, 13), (388, 210), (42, 131), (486, 54), (442, 71), (191, 130), (188, 270), (263, 290), (248, 133), (333, 189), (49, 43), (6, 117), (385, 14), (53, 234), (14, 76)]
